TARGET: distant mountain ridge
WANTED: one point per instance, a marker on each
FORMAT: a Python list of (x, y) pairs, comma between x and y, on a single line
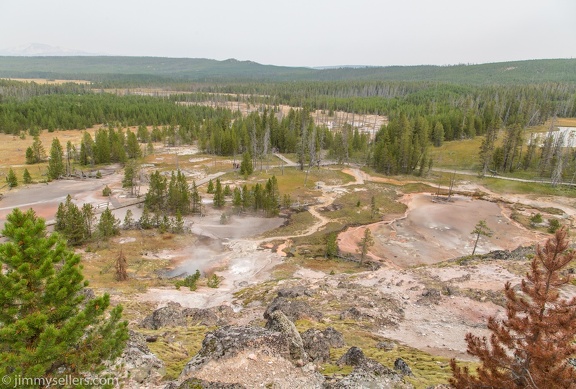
[(41, 50), (165, 70)]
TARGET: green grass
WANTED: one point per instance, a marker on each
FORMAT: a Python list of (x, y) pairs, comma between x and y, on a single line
[(298, 223), (176, 346), (427, 369), (507, 186), (462, 155), (350, 213)]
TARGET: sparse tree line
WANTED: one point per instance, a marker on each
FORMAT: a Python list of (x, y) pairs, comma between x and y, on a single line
[(551, 155), (79, 225)]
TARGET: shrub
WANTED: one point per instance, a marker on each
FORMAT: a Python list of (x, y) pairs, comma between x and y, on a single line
[(189, 281)]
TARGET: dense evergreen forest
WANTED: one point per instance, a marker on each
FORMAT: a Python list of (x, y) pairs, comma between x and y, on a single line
[(421, 114), (160, 71)]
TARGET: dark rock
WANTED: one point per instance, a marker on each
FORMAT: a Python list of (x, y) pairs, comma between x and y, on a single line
[(372, 315), (168, 316), (316, 345), (205, 317), (195, 383), (386, 345), (402, 367), (430, 296), (334, 338), (140, 363), (295, 291), (293, 309), (362, 379), (151, 339), (249, 356), (231, 340), (499, 254), (351, 313), (353, 357), (367, 373), (348, 285), (277, 321)]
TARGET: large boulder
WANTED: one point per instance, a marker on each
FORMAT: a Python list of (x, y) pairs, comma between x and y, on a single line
[(318, 343), (168, 316), (195, 383), (334, 338), (402, 367), (204, 317), (174, 315), (140, 365), (367, 373), (277, 321), (295, 291), (251, 357), (293, 309)]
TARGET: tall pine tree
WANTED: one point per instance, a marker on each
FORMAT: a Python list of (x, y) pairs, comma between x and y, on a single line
[(47, 327), (532, 346)]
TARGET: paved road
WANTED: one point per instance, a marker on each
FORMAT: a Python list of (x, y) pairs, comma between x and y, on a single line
[(476, 174)]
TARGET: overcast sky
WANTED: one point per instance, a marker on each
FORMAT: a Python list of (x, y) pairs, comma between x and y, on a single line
[(300, 32)]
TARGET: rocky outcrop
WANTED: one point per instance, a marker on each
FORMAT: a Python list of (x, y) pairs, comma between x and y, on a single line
[(335, 338), (372, 315), (294, 291), (277, 321), (251, 357), (430, 296), (402, 367), (173, 315), (195, 383), (318, 343), (362, 379), (367, 373), (293, 309), (168, 316), (198, 316), (140, 365), (386, 345)]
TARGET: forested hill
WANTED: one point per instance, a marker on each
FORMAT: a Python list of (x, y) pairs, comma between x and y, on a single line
[(155, 69)]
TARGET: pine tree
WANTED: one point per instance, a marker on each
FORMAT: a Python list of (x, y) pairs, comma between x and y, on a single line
[(364, 245), (373, 208), (47, 327), (30, 156), (178, 224), (128, 220), (130, 176), (195, 198), (332, 245), (38, 152), (27, 178), (237, 199), (246, 167), (532, 346), (56, 162), (219, 199), (71, 223), (481, 229), (108, 225), (88, 215), (11, 179), (210, 188)]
